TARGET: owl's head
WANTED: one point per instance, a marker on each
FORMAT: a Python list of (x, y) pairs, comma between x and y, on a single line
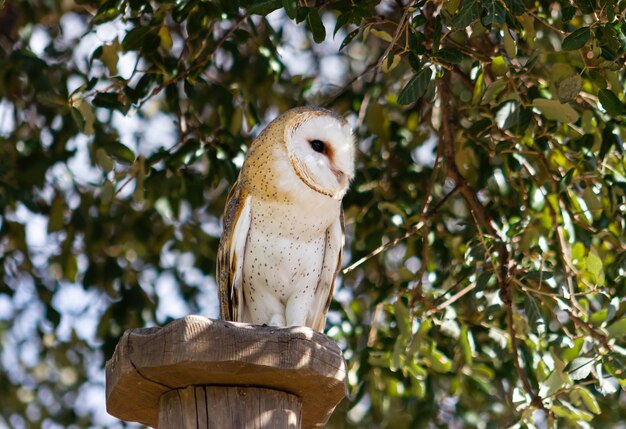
[(320, 146)]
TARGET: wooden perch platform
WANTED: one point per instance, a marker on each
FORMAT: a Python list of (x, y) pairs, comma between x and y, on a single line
[(202, 373)]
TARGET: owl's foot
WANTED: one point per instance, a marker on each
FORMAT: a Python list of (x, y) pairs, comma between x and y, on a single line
[(278, 320)]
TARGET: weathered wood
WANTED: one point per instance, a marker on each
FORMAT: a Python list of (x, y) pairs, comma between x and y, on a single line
[(218, 407), (215, 357)]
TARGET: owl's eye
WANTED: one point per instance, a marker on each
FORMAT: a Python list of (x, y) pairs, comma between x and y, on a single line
[(318, 146)]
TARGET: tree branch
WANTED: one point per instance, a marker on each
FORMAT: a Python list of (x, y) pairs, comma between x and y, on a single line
[(483, 221)]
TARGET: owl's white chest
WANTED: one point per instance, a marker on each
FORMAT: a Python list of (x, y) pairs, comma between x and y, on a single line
[(284, 255)]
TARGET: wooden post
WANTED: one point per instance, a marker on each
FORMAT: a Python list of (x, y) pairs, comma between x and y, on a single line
[(201, 373)]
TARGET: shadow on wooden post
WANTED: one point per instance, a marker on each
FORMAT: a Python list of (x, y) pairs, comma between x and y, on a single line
[(201, 373)]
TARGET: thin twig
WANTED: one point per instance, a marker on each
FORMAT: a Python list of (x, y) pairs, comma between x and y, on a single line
[(441, 297), (451, 300), (385, 246), (373, 65), (364, 104), (126, 182), (399, 30), (377, 64), (591, 330), (194, 67), (406, 235)]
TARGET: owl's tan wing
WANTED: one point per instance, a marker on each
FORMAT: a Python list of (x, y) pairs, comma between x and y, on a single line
[(332, 264), (230, 254)]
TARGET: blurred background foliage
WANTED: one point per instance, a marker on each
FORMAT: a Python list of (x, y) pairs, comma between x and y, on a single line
[(486, 253)]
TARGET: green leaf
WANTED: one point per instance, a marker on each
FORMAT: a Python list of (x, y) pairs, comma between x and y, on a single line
[(291, 8), (449, 55), (416, 371), (51, 99), (416, 43), (379, 358), (143, 86), (119, 151), (555, 110), (316, 25), (567, 13), (140, 38), (110, 56), (495, 13), (403, 321), (483, 280), (518, 117), (566, 180), (436, 37), (557, 380), (594, 264), (416, 87), (53, 316), (576, 40), (467, 344), (510, 46), (571, 413), (382, 35), (538, 275), (107, 12), (586, 6), (569, 88), (617, 329), (535, 317), (516, 7), (499, 66), (342, 20), (391, 62), (438, 361), (611, 103), (349, 38), (470, 11), (301, 14), (103, 160), (615, 363), (479, 88), (55, 218), (588, 399), (109, 100), (608, 7), (403, 318), (580, 368), (87, 117), (572, 353), (264, 7), (78, 118), (609, 139)]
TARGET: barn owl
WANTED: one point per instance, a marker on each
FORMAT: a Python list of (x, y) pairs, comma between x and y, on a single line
[(282, 239)]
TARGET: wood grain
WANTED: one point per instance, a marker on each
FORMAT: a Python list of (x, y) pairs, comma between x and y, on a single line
[(223, 407), (196, 351)]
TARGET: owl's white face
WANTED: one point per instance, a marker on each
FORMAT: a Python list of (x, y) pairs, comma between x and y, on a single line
[(321, 151)]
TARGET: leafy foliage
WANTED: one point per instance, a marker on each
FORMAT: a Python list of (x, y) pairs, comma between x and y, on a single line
[(485, 227)]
